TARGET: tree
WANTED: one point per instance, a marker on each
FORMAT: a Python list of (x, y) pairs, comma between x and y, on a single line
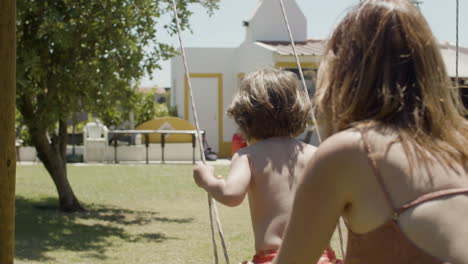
[(143, 106), (146, 108), (84, 54)]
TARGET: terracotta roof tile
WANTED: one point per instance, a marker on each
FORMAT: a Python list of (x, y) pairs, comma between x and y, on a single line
[(310, 47), (316, 47)]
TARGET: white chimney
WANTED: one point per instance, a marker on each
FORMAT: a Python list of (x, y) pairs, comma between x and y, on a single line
[(267, 22)]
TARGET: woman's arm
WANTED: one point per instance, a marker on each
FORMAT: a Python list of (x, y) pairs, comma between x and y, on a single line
[(319, 202), (230, 191)]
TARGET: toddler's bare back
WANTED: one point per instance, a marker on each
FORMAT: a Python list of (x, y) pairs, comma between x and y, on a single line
[(276, 166)]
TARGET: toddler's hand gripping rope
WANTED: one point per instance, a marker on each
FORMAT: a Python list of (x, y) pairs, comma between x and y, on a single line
[(211, 203)]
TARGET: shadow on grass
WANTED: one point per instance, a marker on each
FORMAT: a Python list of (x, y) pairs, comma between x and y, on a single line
[(41, 227)]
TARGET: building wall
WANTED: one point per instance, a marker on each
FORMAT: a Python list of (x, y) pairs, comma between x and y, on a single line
[(207, 66), (449, 55), (229, 63), (232, 64), (251, 57)]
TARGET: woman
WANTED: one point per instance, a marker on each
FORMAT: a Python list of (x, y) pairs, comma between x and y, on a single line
[(396, 162)]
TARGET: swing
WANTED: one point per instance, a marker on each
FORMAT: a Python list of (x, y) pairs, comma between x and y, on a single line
[(213, 211)]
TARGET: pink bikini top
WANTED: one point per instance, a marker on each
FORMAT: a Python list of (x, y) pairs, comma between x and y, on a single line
[(388, 243)]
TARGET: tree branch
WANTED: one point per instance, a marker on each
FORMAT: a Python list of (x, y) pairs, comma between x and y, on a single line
[(62, 138)]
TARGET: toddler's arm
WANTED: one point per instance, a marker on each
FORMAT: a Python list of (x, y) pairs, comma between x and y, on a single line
[(230, 191)]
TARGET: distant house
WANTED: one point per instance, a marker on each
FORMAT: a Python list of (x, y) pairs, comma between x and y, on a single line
[(448, 51), (216, 72), (449, 54), (159, 93)]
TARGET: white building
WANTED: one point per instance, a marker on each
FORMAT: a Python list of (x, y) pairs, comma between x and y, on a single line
[(216, 72)]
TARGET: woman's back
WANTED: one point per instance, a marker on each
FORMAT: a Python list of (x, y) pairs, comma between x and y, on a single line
[(383, 69), (404, 208)]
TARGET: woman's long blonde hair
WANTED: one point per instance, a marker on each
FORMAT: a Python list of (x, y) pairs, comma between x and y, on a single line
[(384, 66)]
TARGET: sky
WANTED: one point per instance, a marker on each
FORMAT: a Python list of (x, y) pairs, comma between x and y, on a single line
[(224, 28)]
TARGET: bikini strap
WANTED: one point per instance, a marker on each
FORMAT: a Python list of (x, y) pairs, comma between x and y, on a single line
[(376, 171), (430, 196)]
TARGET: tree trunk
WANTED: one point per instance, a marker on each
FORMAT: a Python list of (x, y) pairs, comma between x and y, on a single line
[(52, 153), (53, 156), (7, 130)]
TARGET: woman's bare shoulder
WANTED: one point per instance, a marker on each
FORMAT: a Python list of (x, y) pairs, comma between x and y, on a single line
[(338, 165), (351, 140), (346, 141), (339, 155)]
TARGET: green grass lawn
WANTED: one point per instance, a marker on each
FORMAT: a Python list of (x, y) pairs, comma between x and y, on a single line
[(136, 214)]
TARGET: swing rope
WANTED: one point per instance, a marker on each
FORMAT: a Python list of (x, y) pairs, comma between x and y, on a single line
[(298, 62), (213, 210), (314, 119)]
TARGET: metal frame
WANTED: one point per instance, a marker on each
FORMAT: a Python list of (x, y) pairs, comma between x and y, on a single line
[(146, 134)]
